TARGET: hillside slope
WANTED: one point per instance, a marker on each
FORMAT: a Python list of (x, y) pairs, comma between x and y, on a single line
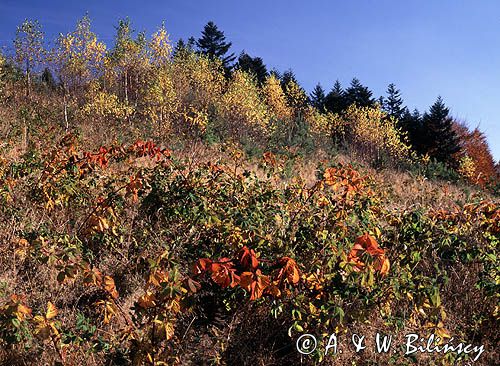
[(204, 255)]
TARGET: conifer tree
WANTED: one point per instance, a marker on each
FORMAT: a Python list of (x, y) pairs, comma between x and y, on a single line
[(287, 77), (318, 97), (439, 138), (393, 104), (48, 79), (191, 43), (182, 47), (411, 123), (276, 73), (335, 101), (179, 46), (359, 94), (252, 65), (213, 43)]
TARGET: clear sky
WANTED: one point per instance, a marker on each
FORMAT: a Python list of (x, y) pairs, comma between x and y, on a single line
[(426, 47)]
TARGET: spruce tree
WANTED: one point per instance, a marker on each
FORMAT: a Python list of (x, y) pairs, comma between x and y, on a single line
[(213, 43), (359, 94), (411, 123), (288, 76), (191, 43), (276, 73), (393, 104), (252, 65), (318, 97), (440, 139), (182, 48), (335, 100)]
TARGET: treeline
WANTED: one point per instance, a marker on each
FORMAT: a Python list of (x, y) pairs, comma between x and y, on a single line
[(200, 88)]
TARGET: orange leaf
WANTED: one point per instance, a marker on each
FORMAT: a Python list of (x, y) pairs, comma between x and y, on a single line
[(367, 244), (330, 176), (269, 158), (247, 258), (224, 274), (202, 266), (255, 283), (157, 277), (92, 277), (383, 265), (147, 300), (289, 271)]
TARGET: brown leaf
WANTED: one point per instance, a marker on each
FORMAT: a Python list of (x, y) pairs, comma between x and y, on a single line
[(193, 285), (255, 283), (367, 244), (330, 176), (147, 300)]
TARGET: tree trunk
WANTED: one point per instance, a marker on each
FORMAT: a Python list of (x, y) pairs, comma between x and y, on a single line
[(65, 112), (126, 87), (27, 83), (25, 135)]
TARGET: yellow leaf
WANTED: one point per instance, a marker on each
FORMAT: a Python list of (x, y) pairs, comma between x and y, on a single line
[(109, 286), (169, 330), (22, 311), (51, 311), (40, 320), (147, 300)]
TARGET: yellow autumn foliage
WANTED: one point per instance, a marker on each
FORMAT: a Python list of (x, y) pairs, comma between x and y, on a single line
[(467, 168), (241, 106), (297, 97), (320, 123), (78, 56), (160, 97), (105, 105), (275, 99), (199, 81), (160, 47), (371, 133)]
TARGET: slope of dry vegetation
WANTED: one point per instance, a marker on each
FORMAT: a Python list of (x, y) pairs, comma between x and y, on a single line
[(129, 254), (156, 212)]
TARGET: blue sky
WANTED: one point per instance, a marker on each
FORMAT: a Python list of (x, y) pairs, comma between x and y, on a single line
[(427, 48)]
